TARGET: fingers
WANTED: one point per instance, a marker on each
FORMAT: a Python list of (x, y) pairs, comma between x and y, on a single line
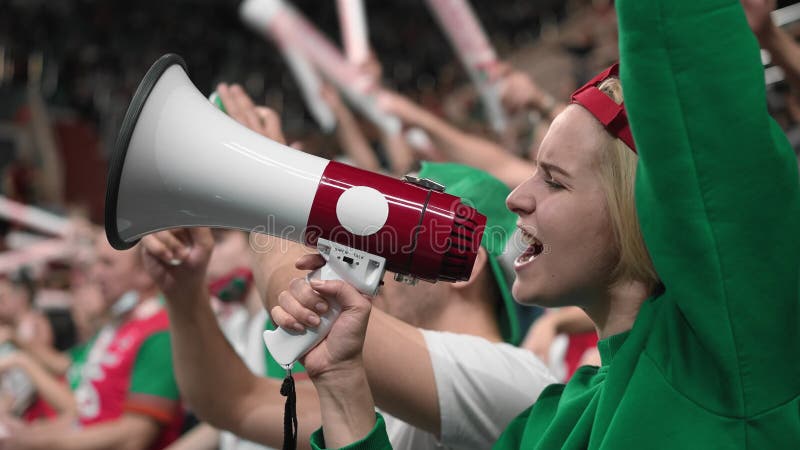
[(346, 295), (299, 306), (283, 319), (271, 124), (166, 247), (246, 108), (202, 238), (238, 105), (241, 108), (310, 262), (231, 106)]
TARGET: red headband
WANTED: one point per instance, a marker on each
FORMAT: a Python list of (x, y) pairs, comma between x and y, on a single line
[(603, 108)]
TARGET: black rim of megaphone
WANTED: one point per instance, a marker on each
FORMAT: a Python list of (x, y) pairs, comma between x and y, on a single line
[(121, 147)]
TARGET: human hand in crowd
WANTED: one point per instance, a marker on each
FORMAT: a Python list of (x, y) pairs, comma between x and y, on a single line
[(758, 15), (299, 307), (177, 261), (331, 96), (519, 92), (401, 106), (541, 336), (372, 67), (241, 108)]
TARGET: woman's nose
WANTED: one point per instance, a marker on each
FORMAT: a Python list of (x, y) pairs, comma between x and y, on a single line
[(521, 200)]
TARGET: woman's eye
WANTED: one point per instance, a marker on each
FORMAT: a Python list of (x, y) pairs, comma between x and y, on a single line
[(553, 185)]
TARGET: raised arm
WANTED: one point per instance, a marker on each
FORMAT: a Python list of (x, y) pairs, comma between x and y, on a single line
[(51, 359), (716, 190), (227, 395), (782, 47), (391, 347), (128, 432), (457, 145)]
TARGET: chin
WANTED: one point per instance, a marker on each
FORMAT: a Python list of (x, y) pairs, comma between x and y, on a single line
[(528, 293)]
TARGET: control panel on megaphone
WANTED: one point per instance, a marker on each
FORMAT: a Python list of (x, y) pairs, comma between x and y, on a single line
[(181, 162)]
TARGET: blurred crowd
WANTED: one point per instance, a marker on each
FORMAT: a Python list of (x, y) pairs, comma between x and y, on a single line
[(85, 341)]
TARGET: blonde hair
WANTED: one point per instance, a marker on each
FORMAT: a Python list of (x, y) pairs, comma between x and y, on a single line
[(618, 175)]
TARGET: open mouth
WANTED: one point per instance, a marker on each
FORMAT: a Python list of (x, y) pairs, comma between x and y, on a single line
[(534, 249)]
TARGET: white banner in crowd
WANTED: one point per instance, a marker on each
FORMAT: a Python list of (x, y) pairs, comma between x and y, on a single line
[(307, 78), (353, 26), (33, 254), (476, 53), (287, 26), (310, 85), (33, 217)]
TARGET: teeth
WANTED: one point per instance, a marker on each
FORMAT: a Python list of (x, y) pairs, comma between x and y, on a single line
[(525, 257), (529, 239)]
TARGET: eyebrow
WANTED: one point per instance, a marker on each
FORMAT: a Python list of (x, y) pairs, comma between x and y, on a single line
[(552, 168)]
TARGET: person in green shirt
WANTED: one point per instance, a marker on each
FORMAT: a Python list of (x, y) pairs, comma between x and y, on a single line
[(697, 347)]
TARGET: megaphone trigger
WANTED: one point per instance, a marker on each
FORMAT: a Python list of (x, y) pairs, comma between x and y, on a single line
[(362, 270)]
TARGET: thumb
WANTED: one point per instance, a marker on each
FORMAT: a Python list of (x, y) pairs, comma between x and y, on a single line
[(346, 295), (310, 262)]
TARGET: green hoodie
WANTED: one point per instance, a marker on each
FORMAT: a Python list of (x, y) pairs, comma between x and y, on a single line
[(714, 361)]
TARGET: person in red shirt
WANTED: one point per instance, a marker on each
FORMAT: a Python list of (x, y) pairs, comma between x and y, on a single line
[(125, 390)]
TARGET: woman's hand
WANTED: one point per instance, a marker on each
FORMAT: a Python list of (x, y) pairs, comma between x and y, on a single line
[(177, 261), (300, 306)]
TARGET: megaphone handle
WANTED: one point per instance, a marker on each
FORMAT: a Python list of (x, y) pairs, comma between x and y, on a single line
[(287, 346), (362, 270)]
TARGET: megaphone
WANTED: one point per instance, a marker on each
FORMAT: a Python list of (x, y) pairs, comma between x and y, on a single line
[(180, 162)]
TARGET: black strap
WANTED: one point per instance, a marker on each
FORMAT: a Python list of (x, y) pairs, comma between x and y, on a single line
[(289, 413)]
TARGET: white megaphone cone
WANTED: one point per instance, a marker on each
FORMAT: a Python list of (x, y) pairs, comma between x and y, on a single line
[(180, 162)]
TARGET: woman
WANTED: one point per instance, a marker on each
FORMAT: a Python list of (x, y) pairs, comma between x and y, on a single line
[(703, 356)]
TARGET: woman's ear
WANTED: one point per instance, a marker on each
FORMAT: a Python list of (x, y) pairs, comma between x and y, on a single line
[(481, 262)]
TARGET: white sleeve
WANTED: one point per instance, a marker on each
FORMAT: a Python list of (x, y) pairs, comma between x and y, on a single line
[(482, 386)]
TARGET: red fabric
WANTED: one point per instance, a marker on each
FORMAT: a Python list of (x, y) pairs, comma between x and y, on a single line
[(603, 108), (578, 344), (39, 410)]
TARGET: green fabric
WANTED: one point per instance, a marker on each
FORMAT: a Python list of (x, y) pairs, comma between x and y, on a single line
[(609, 347), (488, 195), (275, 370), (78, 354), (712, 362), (369, 442), (152, 372)]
